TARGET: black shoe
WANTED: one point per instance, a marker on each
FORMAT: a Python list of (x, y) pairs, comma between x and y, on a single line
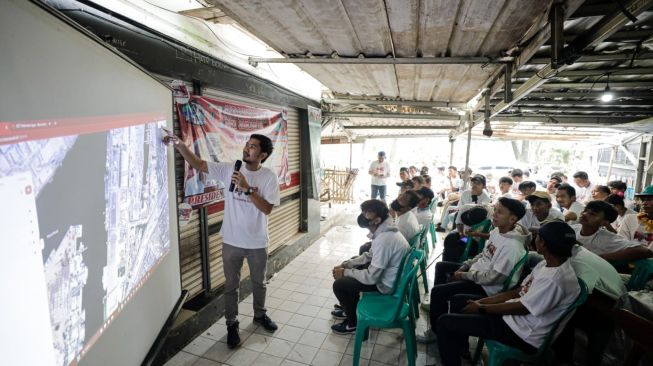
[(338, 307), (233, 338), (343, 328), (440, 229), (267, 323), (339, 314)]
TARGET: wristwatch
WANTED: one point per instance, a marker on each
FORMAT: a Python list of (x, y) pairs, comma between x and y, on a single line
[(249, 191)]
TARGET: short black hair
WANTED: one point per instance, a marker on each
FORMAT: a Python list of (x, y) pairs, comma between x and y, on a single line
[(266, 144), (426, 192), (615, 200), (403, 169), (556, 178), (581, 175), (379, 208), (515, 207), (609, 212), (453, 167), (559, 174), (604, 189), (427, 178), (413, 198), (506, 180), (516, 173), (571, 191), (527, 184), (617, 184), (418, 179), (559, 238)]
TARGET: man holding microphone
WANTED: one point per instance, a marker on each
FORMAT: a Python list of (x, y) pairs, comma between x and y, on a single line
[(254, 191)]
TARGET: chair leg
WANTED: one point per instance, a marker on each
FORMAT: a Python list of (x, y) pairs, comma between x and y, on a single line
[(411, 343), (422, 268), (361, 330), (477, 352), (416, 300)]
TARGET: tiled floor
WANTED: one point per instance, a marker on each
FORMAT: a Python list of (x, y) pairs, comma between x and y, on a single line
[(300, 300)]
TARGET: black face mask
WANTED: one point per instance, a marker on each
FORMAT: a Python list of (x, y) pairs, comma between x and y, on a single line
[(363, 221), (396, 206), (474, 198)]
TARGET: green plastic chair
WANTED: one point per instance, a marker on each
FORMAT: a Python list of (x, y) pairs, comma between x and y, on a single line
[(423, 241), (506, 287), (391, 311), (434, 240), (642, 273), (485, 226), (417, 243), (500, 353)]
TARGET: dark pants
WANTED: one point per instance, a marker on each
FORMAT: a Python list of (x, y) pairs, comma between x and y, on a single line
[(378, 190), (454, 247), (443, 291), (454, 329), (597, 306), (348, 290)]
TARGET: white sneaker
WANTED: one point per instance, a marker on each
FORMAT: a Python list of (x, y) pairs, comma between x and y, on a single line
[(427, 337)]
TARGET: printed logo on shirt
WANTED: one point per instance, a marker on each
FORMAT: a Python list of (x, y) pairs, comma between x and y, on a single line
[(491, 248), (241, 196), (526, 286), (647, 237)]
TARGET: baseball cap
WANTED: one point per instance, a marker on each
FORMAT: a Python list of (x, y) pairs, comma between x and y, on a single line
[(425, 192), (407, 184), (473, 216), (558, 234), (648, 191), (381, 153), (538, 195), (479, 178)]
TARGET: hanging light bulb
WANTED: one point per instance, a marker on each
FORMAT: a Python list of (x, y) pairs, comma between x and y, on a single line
[(607, 95)]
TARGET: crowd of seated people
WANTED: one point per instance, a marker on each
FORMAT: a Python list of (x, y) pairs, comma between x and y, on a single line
[(565, 231)]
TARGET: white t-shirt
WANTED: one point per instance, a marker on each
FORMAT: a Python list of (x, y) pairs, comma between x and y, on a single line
[(633, 230), (530, 221), (382, 169), (499, 195), (596, 272), (602, 241), (388, 249), (501, 253), (407, 225), (547, 293), (467, 202), (576, 207), (616, 224), (244, 225), (424, 216), (584, 194)]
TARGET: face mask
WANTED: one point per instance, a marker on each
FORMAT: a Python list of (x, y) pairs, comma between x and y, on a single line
[(395, 205), (363, 221)]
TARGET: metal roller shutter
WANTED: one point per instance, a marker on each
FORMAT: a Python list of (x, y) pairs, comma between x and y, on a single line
[(283, 223)]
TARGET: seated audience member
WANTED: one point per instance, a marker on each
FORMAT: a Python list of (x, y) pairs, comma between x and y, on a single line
[(551, 187), (418, 181), (505, 184), (422, 212), (605, 286), (427, 181), (561, 175), (540, 212), (591, 233), (639, 227), (584, 187), (476, 195), (520, 318), (405, 219), (618, 203), (517, 176), (566, 198), (619, 188), (405, 186), (600, 193), (484, 274), (526, 188), (490, 185), (384, 258), (424, 171), (403, 174), (453, 183), (412, 170)]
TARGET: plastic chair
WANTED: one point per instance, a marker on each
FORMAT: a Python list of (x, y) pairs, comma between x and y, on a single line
[(391, 311), (434, 202), (483, 227), (506, 287), (641, 274), (499, 352), (417, 243)]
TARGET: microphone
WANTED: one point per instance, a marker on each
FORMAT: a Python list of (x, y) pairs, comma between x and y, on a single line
[(236, 168)]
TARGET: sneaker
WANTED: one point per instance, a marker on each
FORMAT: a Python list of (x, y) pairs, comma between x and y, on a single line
[(427, 337), (439, 229), (267, 323), (426, 304), (233, 338), (343, 328), (338, 307), (339, 314)]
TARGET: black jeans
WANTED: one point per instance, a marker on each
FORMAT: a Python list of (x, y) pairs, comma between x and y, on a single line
[(454, 329), (443, 291), (348, 290), (454, 248), (378, 190)]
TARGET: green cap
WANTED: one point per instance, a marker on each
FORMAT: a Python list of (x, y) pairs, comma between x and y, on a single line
[(648, 191)]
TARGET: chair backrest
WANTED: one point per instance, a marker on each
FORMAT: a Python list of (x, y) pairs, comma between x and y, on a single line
[(580, 300), (518, 265), (399, 272), (640, 275), (414, 241), (423, 237), (408, 280), (484, 227)]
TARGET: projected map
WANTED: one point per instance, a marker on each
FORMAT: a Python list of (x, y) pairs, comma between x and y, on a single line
[(101, 199)]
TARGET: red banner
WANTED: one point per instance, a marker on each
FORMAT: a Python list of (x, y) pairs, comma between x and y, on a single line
[(218, 131)]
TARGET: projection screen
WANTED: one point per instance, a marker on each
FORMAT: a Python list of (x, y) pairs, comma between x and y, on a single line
[(89, 269)]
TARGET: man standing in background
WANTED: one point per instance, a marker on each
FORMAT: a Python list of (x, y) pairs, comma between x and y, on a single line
[(380, 171)]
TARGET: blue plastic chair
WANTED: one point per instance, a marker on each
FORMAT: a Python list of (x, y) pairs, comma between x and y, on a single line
[(499, 352), (391, 311)]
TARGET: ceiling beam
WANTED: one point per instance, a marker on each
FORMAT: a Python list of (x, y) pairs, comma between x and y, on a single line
[(595, 72), (254, 61), (637, 111), (445, 117), (640, 94), (624, 56), (589, 102), (410, 103), (555, 119), (376, 127), (601, 85)]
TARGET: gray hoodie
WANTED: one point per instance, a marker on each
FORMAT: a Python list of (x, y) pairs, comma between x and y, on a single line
[(384, 257)]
